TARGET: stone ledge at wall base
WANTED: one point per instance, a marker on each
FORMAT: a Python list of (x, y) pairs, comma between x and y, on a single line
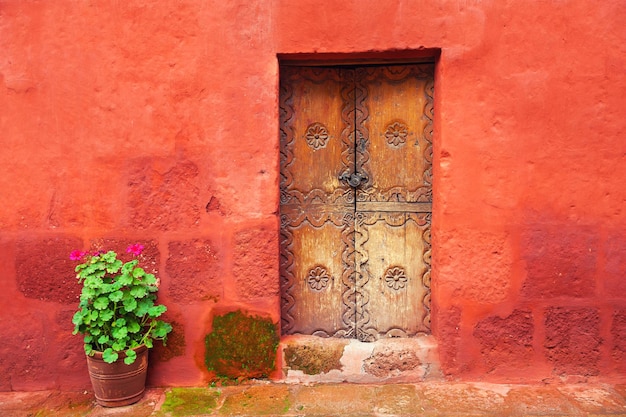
[(118, 384), (311, 359)]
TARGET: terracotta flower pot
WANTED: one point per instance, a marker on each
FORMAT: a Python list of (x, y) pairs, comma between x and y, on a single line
[(117, 384)]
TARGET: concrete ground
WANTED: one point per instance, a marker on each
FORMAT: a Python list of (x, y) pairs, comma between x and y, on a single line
[(274, 399)]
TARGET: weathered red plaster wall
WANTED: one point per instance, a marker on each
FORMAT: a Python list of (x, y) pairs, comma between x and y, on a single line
[(157, 122)]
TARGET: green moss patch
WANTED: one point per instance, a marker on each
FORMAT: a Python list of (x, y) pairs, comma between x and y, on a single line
[(241, 346), (189, 402)]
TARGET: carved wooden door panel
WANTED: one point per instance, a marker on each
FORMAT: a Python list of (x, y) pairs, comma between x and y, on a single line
[(355, 200)]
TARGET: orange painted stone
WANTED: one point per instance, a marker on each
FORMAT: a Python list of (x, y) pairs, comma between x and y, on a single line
[(194, 268), (506, 342), (159, 123), (618, 334), (43, 274), (573, 340)]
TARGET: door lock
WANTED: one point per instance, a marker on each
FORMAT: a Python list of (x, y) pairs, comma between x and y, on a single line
[(354, 179)]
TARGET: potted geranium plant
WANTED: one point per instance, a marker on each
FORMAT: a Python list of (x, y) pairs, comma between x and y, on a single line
[(118, 317)]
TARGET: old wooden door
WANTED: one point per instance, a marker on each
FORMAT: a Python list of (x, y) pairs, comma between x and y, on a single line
[(355, 200)]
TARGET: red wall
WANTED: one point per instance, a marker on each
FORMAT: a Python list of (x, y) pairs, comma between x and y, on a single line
[(158, 122)]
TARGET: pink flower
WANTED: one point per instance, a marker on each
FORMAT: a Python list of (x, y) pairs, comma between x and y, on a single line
[(135, 249), (77, 255)]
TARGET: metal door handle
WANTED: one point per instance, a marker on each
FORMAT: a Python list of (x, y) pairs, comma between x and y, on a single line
[(353, 179)]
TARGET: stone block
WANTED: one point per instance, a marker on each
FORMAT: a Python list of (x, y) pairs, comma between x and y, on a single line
[(44, 269), (560, 261), (336, 399), (386, 362), (162, 196), (75, 204), (478, 272), (572, 340), (313, 356), (602, 399), (398, 400), (506, 342), (460, 399), (194, 269), (187, 401), (529, 400), (258, 400), (256, 263), (614, 274), (25, 363), (618, 334)]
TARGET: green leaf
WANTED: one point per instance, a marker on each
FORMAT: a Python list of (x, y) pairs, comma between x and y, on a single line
[(149, 279), (119, 345), (88, 349), (130, 304), (77, 319), (138, 291), (149, 343), (87, 293), (143, 306), (89, 270), (161, 329), (156, 311), (101, 303), (125, 279), (103, 339), (88, 338), (138, 272), (114, 267), (119, 332), (133, 327), (128, 266), (106, 315), (131, 356), (93, 315), (109, 257), (109, 356), (92, 279), (116, 296)]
